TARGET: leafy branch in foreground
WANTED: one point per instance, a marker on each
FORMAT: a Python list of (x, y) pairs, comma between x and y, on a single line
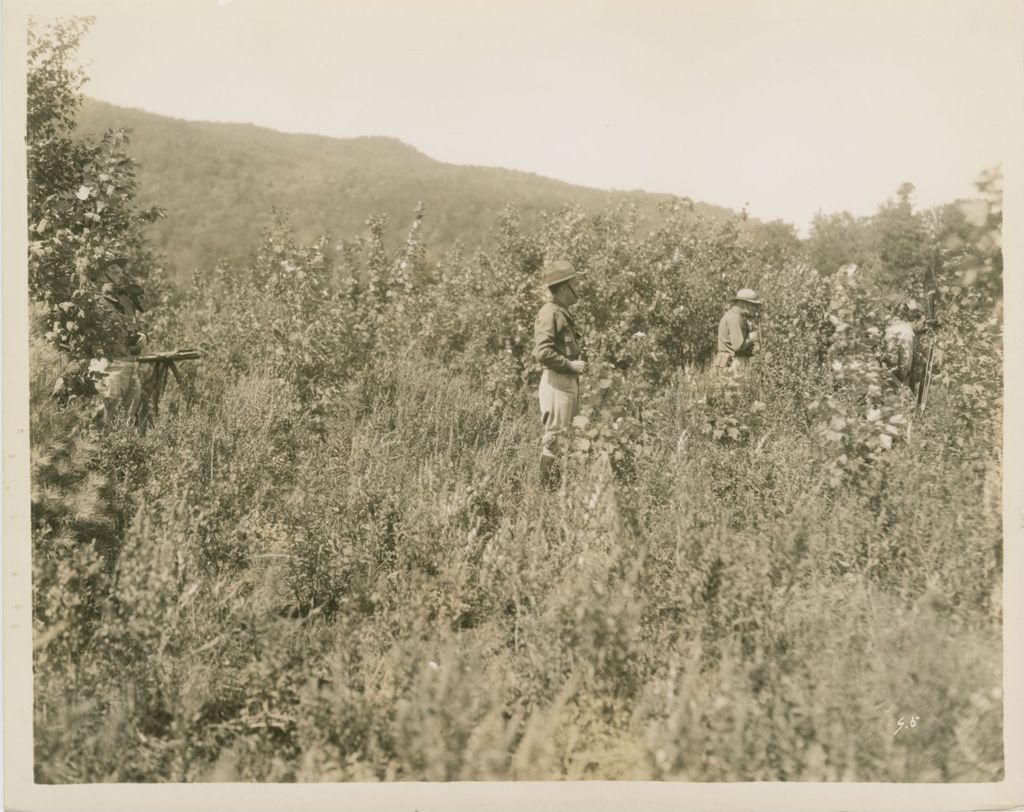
[(85, 231)]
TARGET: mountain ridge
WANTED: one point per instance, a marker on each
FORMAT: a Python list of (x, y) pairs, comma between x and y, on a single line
[(220, 181)]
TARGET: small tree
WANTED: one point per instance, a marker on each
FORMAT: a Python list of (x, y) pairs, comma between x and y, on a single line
[(901, 238), (84, 227), (776, 242), (837, 239)]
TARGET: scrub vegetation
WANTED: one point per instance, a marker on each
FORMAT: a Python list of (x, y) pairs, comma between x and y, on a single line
[(328, 557)]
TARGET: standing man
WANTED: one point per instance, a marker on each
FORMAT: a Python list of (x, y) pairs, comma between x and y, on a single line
[(737, 340), (119, 385), (901, 340), (556, 345)]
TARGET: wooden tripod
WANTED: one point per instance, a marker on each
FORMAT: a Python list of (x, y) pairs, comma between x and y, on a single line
[(164, 363)]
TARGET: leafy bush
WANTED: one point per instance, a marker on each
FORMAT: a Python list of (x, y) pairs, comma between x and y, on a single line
[(82, 218)]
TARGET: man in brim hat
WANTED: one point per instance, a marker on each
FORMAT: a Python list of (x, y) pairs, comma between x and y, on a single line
[(737, 339), (557, 349), (119, 384), (901, 338)]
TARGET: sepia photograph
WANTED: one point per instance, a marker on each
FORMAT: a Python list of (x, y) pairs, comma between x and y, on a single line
[(449, 405)]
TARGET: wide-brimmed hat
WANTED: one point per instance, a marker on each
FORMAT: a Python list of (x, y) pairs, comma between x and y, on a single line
[(746, 295), (560, 270)]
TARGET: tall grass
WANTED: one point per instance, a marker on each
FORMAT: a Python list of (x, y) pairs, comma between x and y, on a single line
[(396, 598)]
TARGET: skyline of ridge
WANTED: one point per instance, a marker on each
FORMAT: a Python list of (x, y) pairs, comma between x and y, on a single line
[(785, 106)]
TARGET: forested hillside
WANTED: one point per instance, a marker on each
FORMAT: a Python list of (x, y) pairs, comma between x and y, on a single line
[(219, 182)]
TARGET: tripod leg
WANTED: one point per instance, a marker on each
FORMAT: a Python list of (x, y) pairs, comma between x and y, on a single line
[(158, 387), (181, 383)]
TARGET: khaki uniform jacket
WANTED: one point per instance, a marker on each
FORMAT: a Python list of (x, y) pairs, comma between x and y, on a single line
[(733, 336), (555, 338), (128, 342)]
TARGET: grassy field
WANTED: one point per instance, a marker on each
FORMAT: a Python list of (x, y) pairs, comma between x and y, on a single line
[(399, 600)]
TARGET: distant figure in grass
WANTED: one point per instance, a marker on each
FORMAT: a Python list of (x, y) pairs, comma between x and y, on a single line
[(556, 345), (901, 340), (843, 282), (737, 337), (120, 387)]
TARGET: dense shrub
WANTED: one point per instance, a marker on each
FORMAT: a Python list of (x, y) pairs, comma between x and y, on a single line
[(83, 223), (342, 569)]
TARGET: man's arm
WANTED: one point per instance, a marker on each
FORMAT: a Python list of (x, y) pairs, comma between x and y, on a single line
[(544, 331), (137, 337), (907, 354), (738, 344)]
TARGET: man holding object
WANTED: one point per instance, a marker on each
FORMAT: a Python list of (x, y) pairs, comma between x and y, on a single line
[(557, 349), (737, 339)]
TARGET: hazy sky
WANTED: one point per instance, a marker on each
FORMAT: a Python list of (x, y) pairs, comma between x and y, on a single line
[(788, 105)]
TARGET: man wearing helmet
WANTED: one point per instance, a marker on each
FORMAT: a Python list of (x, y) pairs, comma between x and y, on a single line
[(557, 349), (737, 339)]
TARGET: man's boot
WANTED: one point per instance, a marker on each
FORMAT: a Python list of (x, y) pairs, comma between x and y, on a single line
[(548, 473)]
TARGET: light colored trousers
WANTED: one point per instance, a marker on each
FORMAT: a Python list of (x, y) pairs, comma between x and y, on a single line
[(727, 365), (121, 386), (559, 396)]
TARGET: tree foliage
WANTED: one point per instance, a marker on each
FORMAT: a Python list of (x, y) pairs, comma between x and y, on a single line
[(900, 238), (84, 227), (836, 240)]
